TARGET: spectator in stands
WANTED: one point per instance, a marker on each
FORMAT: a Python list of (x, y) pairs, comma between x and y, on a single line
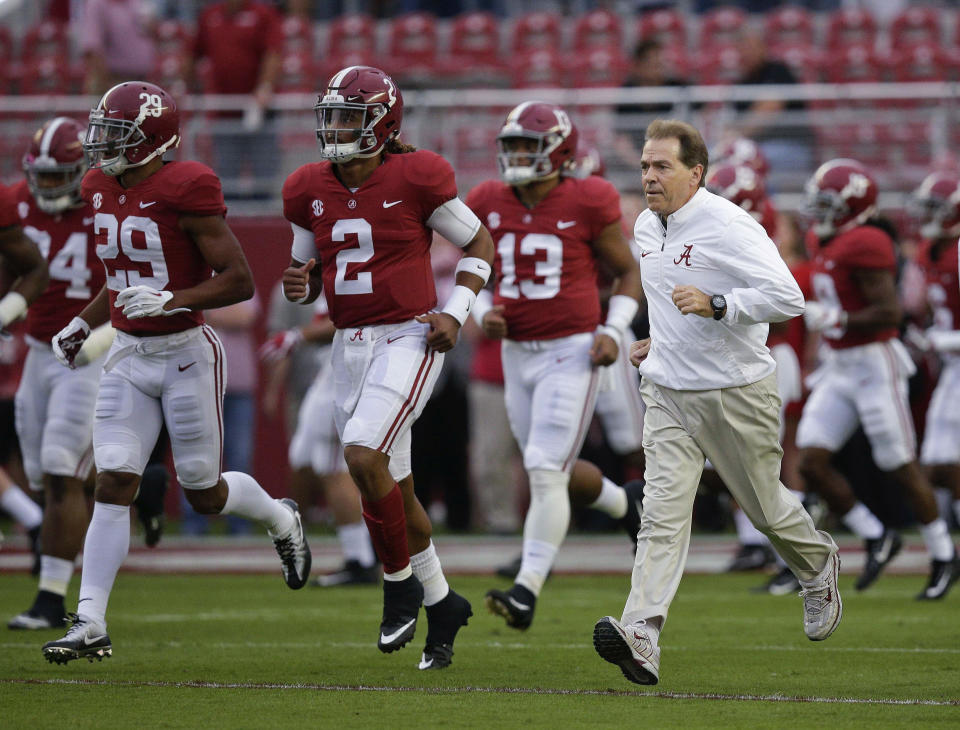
[(242, 40), (117, 42), (785, 139), (647, 69)]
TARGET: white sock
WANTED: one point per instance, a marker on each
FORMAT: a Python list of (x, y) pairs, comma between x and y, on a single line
[(863, 522), (400, 575), (426, 566), (538, 557), (612, 500), (747, 534), (246, 498), (55, 574), (936, 535), (355, 543), (104, 550), (21, 508)]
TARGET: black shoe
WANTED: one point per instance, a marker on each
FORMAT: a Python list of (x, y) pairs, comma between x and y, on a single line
[(83, 639), (515, 605), (943, 574), (149, 503), (444, 620), (36, 549), (47, 612), (781, 584), (880, 551), (401, 604), (751, 557), (351, 574), (631, 521), (294, 552)]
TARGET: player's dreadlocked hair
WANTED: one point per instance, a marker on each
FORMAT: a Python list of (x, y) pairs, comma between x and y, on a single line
[(395, 147)]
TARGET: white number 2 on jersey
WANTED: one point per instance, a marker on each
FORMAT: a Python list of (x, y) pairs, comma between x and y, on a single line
[(70, 263), (549, 270), (363, 282)]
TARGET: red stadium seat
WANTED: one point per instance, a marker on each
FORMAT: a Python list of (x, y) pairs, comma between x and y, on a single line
[(534, 32), (168, 72), (412, 48), (542, 68), (920, 62), (665, 26), (171, 37), (718, 65), (851, 26), (352, 35), (475, 51), (297, 34), (805, 61), (598, 67), (721, 27), (597, 29), (915, 26), (297, 72), (475, 147), (789, 26), (44, 75), (45, 40), (855, 63)]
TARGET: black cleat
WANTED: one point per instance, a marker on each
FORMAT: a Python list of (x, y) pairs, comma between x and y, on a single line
[(401, 604), (444, 620), (294, 552), (880, 551), (751, 557), (781, 584), (630, 522), (149, 503), (943, 574), (84, 639), (47, 612), (351, 574), (515, 605)]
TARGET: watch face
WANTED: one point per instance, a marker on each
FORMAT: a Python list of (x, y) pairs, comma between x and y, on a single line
[(718, 302)]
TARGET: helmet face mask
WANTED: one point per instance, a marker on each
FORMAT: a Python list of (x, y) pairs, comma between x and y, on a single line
[(841, 195), (358, 113), (550, 150), (935, 205), (134, 123), (55, 164)]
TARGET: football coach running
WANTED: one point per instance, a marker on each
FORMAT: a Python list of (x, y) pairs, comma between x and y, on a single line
[(713, 280)]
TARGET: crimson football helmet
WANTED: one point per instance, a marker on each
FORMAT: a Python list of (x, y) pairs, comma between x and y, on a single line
[(742, 151), (739, 184), (841, 195), (936, 206), (358, 113), (134, 122), (554, 134), (54, 164), (586, 162)]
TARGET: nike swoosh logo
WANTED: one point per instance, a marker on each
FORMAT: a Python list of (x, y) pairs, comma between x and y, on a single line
[(147, 205), (87, 641), (563, 359), (565, 224), (181, 368), (390, 205), (425, 663), (391, 340), (516, 604), (384, 639), (644, 254)]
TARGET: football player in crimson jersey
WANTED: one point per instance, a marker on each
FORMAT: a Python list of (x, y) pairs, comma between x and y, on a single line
[(168, 254), (363, 221), (552, 232), (864, 380), (937, 210), (55, 405)]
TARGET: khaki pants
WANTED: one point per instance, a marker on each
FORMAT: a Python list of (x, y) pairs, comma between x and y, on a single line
[(736, 428)]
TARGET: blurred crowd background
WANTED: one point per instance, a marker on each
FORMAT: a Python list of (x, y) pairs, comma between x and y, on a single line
[(873, 80)]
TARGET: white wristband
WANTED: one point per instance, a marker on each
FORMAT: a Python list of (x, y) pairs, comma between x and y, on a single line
[(12, 307), (474, 265), (483, 305), (621, 310), (460, 303), (612, 332)]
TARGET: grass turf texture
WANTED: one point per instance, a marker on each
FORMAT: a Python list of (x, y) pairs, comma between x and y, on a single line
[(243, 651)]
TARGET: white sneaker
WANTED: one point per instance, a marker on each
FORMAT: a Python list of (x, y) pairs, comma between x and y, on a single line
[(822, 607), (293, 550), (85, 638), (630, 647)]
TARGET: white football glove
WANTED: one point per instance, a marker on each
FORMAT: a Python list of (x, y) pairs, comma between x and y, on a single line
[(819, 317), (68, 341), (145, 301)]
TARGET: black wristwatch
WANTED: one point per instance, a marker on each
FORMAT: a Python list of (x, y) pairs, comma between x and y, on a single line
[(719, 304)]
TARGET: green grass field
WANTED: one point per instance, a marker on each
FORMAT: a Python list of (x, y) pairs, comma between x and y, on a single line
[(243, 651)]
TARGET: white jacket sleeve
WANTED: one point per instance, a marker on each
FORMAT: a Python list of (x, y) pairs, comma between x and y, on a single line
[(770, 294)]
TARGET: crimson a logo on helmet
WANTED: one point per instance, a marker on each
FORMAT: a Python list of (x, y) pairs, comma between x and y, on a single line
[(317, 206), (97, 200)]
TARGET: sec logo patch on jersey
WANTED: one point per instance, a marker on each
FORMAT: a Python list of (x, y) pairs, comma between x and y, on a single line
[(317, 207)]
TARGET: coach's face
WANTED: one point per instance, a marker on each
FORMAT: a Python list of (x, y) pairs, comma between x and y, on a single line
[(667, 183)]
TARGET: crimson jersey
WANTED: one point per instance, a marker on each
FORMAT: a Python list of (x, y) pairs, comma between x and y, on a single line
[(768, 218), (76, 274), (8, 207), (943, 288), (834, 266), (545, 263), (139, 239), (373, 244)]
